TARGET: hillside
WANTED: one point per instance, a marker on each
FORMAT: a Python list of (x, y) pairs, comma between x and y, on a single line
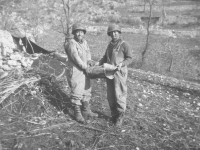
[(36, 113)]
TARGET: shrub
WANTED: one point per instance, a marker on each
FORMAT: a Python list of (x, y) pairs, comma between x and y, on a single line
[(131, 21), (98, 19), (112, 6), (114, 18)]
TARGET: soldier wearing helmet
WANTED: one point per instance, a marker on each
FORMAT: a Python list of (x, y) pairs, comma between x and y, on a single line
[(118, 53), (112, 28), (78, 26), (79, 57)]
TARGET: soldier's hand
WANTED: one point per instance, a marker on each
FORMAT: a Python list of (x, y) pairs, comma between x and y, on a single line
[(119, 66), (85, 71), (55, 55), (97, 63), (91, 63)]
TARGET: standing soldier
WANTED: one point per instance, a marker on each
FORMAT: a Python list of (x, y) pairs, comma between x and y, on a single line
[(79, 58), (118, 53)]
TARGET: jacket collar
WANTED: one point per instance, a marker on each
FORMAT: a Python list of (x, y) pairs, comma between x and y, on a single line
[(116, 42)]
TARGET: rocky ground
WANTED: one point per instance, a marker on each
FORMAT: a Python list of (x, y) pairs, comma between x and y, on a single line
[(11, 57), (37, 113), (38, 116)]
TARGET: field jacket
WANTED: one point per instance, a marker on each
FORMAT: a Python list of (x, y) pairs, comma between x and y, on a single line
[(116, 53), (78, 54)]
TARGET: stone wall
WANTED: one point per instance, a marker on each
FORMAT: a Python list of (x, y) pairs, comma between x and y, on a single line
[(11, 57), (157, 30)]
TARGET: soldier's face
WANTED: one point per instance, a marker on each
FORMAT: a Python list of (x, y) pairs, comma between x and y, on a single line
[(79, 34), (115, 35)]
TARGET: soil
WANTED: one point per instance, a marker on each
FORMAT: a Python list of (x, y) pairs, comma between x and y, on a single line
[(157, 117), (40, 117)]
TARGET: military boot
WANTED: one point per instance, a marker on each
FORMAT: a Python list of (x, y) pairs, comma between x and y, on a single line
[(119, 119), (77, 114), (113, 116), (86, 111), (114, 113)]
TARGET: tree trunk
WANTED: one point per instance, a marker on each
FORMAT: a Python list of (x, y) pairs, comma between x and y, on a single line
[(144, 6), (148, 32), (163, 14), (171, 61)]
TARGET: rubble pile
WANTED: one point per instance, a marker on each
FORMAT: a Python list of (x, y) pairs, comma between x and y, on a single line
[(11, 57)]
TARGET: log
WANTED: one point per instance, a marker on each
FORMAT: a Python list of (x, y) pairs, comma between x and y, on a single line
[(163, 80)]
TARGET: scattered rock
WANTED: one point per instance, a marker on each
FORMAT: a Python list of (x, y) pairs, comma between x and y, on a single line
[(12, 63), (11, 59), (3, 74), (16, 56), (6, 68)]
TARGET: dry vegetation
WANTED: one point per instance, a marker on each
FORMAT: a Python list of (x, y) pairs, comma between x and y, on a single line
[(37, 113)]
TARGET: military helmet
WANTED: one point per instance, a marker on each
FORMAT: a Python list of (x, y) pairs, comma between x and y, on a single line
[(78, 26), (113, 27)]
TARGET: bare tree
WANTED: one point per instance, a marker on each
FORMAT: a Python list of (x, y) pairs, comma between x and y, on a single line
[(144, 5), (151, 3), (164, 15), (172, 57), (67, 11)]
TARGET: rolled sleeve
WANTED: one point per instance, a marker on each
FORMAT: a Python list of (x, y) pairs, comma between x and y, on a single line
[(128, 57)]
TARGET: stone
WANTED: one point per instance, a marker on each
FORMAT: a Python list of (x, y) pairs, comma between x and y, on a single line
[(6, 68), (24, 62), (1, 62), (3, 74), (6, 38), (5, 58), (10, 57), (29, 62), (12, 63), (18, 67), (36, 55), (3, 53), (8, 50), (16, 56), (33, 58), (0, 51)]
